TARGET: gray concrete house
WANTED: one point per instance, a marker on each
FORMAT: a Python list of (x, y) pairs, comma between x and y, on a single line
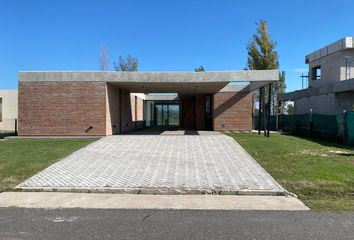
[(8, 109), (330, 80)]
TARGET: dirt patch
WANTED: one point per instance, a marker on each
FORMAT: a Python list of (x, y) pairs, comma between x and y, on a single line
[(341, 152), (319, 153), (10, 180)]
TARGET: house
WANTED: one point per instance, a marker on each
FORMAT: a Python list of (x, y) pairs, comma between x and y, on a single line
[(8, 110), (104, 103), (330, 80)]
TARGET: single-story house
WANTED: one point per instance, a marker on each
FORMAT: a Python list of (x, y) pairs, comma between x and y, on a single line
[(104, 103)]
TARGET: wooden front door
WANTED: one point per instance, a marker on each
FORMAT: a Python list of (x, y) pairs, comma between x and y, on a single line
[(188, 113)]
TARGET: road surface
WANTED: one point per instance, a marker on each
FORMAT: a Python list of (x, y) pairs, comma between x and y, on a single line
[(20, 223)]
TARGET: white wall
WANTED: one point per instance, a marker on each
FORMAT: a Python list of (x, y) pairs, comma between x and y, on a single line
[(9, 109)]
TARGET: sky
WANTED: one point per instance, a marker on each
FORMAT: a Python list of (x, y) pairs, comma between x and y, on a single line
[(165, 35)]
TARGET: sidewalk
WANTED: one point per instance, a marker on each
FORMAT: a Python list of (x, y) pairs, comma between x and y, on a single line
[(136, 201)]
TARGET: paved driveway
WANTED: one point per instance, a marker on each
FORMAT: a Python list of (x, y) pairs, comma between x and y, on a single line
[(171, 163)]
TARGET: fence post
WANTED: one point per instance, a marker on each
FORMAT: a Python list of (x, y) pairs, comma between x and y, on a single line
[(16, 126), (345, 128), (310, 124), (264, 113), (279, 112), (260, 110), (268, 108)]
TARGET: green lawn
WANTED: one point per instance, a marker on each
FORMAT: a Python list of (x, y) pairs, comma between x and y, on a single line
[(22, 158), (320, 173)]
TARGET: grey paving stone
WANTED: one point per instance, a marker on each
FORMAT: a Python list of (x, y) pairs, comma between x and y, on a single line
[(167, 163)]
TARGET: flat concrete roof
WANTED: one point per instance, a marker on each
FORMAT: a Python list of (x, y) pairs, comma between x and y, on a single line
[(150, 82), (181, 77), (342, 44)]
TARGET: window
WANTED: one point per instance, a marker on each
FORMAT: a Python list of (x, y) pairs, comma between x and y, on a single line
[(208, 104), (0, 109), (316, 73)]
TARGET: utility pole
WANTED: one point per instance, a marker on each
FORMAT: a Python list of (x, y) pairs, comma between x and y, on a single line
[(306, 78)]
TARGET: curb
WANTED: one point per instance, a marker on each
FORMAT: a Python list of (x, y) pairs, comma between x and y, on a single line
[(155, 191)]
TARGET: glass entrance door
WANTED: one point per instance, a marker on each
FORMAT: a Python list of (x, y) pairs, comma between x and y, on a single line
[(167, 114)]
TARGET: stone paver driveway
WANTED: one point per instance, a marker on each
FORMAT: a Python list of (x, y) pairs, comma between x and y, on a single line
[(171, 163)]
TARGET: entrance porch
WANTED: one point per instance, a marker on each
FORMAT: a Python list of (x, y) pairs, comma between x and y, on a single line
[(171, 111)]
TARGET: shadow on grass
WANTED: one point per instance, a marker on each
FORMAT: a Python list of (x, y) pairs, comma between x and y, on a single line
[(346, 154), (323, 142), (326, 143)]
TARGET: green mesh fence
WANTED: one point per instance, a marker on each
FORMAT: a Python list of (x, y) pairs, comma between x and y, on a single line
[(325, 126), (341, 125), (331, 127), (287, 123), (273, 123), (349, 128), (301, 124)]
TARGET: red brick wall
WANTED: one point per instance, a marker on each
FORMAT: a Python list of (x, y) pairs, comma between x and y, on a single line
[(233, 111), (71, 108), (62, 108)]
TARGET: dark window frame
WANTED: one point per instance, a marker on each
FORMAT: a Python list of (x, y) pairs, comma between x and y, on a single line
[(315, 73)]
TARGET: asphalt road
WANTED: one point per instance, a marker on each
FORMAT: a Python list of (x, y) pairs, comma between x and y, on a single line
[(61, 224)]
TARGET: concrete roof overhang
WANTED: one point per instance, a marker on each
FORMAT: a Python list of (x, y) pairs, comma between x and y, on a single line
[(183, 83)]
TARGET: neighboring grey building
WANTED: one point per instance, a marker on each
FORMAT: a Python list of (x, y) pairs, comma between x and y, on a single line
[(330, 80), (8, 109)]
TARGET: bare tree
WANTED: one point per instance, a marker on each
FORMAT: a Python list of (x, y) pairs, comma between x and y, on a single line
[(128, 64), (103, 59)]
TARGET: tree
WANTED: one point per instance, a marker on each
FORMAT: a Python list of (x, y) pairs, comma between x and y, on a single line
[(278, 88), (199, 69), (103, 59), (290, 110), (263, 56), (128, 64), (261, 50)]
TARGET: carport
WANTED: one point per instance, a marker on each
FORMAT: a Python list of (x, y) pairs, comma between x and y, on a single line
[(194, 90)]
